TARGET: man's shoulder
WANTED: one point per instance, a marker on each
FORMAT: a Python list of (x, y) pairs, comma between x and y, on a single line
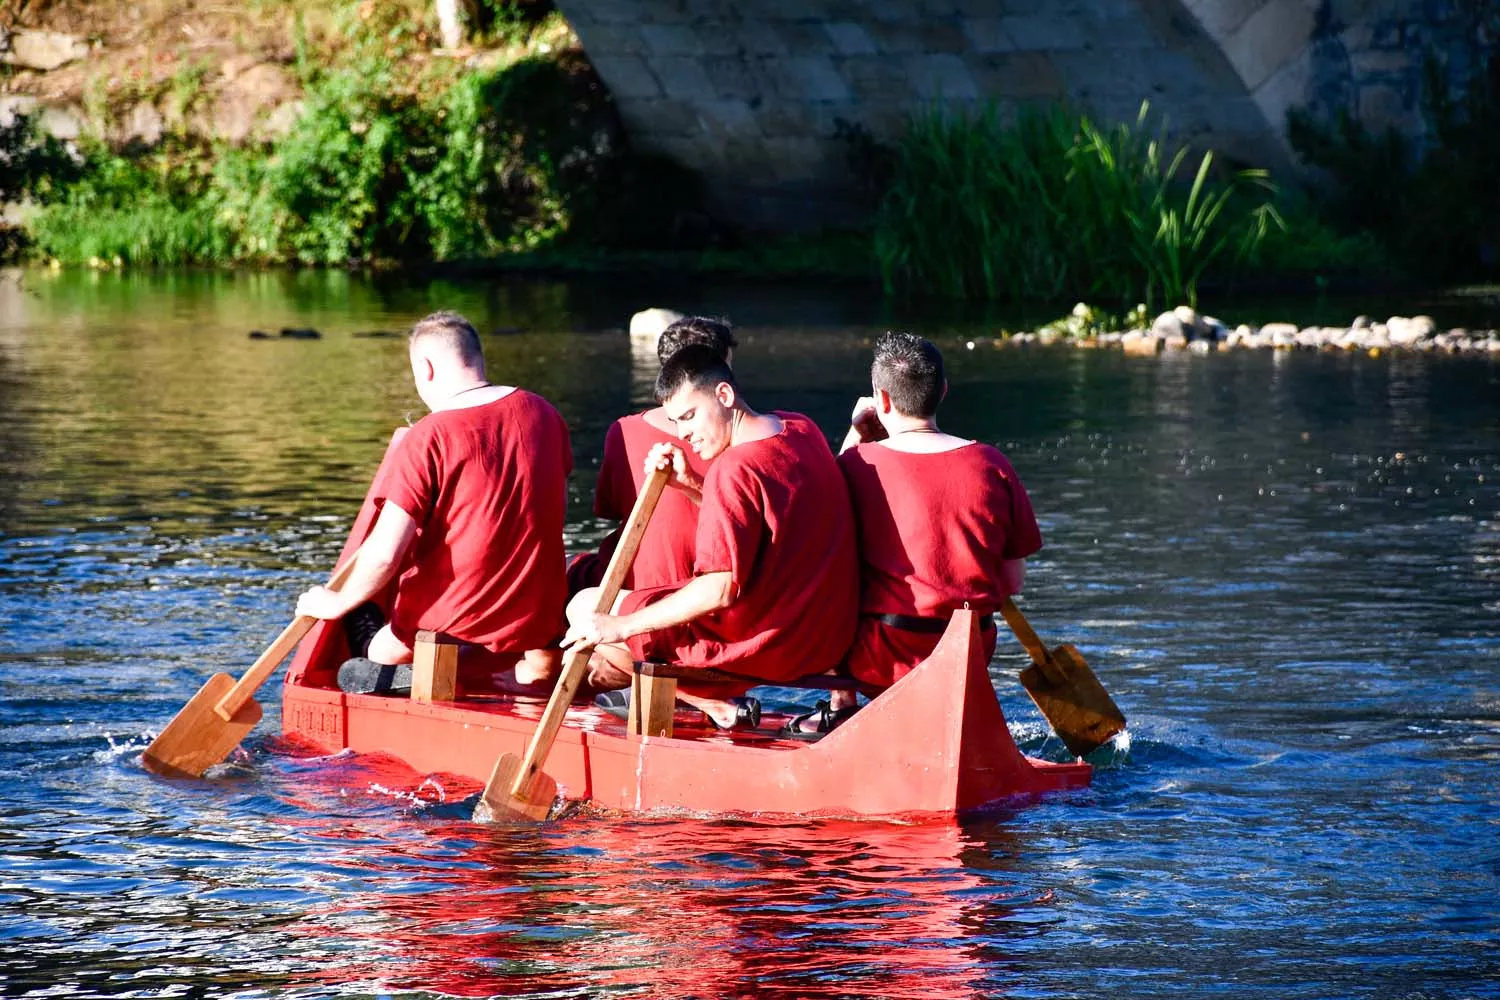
[(525, 399)]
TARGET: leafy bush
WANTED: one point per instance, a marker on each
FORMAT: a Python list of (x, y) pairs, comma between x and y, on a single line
[(1055, 206), (32, 164), (499, 161), (120, 210)]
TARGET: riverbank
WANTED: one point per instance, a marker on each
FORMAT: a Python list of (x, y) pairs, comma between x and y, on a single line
[(350, 134), (1184, 329)]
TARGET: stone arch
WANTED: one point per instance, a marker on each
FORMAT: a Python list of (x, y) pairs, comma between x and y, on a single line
[(756, 94)]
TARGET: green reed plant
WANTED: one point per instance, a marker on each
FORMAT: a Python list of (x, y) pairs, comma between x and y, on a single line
[(1053, 205), (974, 208), (1137, 208)]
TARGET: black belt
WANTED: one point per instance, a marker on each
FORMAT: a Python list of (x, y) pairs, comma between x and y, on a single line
[(932, 626)]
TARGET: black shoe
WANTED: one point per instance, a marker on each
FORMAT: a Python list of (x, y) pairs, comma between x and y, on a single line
[(364, 676), (360, 626)]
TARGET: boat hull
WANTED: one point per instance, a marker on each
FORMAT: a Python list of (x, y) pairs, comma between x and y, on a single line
[(936, 743)]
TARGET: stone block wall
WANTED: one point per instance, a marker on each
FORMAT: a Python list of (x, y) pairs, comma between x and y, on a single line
[(753, 94)]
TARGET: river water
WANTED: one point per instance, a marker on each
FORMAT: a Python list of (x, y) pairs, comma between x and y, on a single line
[(1285, 567)]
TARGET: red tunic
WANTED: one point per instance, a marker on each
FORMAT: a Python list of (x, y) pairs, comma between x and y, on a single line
[(669, 545), (666, 552), (487, 486), (776, 517), (933, 532)]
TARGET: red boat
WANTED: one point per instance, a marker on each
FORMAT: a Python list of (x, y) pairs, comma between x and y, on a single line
[(936, 743)]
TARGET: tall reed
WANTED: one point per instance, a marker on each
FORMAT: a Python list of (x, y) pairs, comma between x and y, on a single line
[(1053, 205)]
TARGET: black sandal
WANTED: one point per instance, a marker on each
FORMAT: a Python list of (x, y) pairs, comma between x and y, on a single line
[(827, 721), (746, 710)]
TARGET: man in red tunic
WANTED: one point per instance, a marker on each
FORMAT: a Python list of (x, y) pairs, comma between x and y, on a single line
[(472, 521), (667, 549), (943, 522), (773, 593)]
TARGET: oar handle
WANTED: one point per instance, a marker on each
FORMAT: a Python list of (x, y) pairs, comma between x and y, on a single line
[(573, 670), (244, 689), (1024, 632)]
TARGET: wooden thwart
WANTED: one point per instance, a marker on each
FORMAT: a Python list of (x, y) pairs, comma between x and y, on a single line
[(518, 789), (653, 702), (1066, 691), (434, 669), (224, 710)]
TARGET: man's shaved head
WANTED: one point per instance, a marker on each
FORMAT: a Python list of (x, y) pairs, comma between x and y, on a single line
[(451, 334), (910, 369)]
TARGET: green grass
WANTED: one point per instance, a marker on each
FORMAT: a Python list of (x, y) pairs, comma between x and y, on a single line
[(1054, 206)]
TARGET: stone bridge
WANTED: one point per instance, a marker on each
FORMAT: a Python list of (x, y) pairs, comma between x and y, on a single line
[(752, 94)]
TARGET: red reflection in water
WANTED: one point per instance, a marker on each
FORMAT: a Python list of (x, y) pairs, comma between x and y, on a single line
[(662, 907)]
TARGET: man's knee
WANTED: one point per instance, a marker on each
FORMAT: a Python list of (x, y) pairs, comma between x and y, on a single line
[(584, 603), (386, 648)]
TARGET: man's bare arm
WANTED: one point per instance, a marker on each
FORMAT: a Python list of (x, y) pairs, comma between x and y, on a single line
[(864, 425), (702, 595), (1013, 575), (375, 564)]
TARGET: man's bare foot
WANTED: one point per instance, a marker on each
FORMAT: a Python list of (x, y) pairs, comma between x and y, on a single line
[(538, 665)]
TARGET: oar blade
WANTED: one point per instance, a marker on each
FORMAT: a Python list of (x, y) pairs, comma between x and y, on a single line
[(529, 804), (1073, 701), (197, 739)]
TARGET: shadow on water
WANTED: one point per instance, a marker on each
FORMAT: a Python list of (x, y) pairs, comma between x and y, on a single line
[(1284, 567)]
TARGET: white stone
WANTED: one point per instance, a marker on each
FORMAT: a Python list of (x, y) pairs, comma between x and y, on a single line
[(41, 50), (649, 323), (144, 124), (1405, 332), (1169, 324), (61, 123)]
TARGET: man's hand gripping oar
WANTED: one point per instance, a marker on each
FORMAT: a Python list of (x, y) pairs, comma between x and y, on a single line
[(518, 789)]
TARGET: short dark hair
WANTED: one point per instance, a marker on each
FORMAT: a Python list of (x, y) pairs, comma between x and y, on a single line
[(452, 331), (714, 333), (695, 365), (910, 369)]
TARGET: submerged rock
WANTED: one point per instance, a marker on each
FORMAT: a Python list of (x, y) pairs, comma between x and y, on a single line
[(649, 323), (300, 333)]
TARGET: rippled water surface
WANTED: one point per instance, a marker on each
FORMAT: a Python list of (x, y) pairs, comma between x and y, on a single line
[(1285, 567)]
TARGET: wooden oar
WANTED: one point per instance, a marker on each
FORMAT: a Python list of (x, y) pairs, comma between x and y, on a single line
[(1080, 711), (224, 710), (518, 789)]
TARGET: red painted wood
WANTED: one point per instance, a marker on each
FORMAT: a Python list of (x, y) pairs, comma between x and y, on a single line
[(934, 744)]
